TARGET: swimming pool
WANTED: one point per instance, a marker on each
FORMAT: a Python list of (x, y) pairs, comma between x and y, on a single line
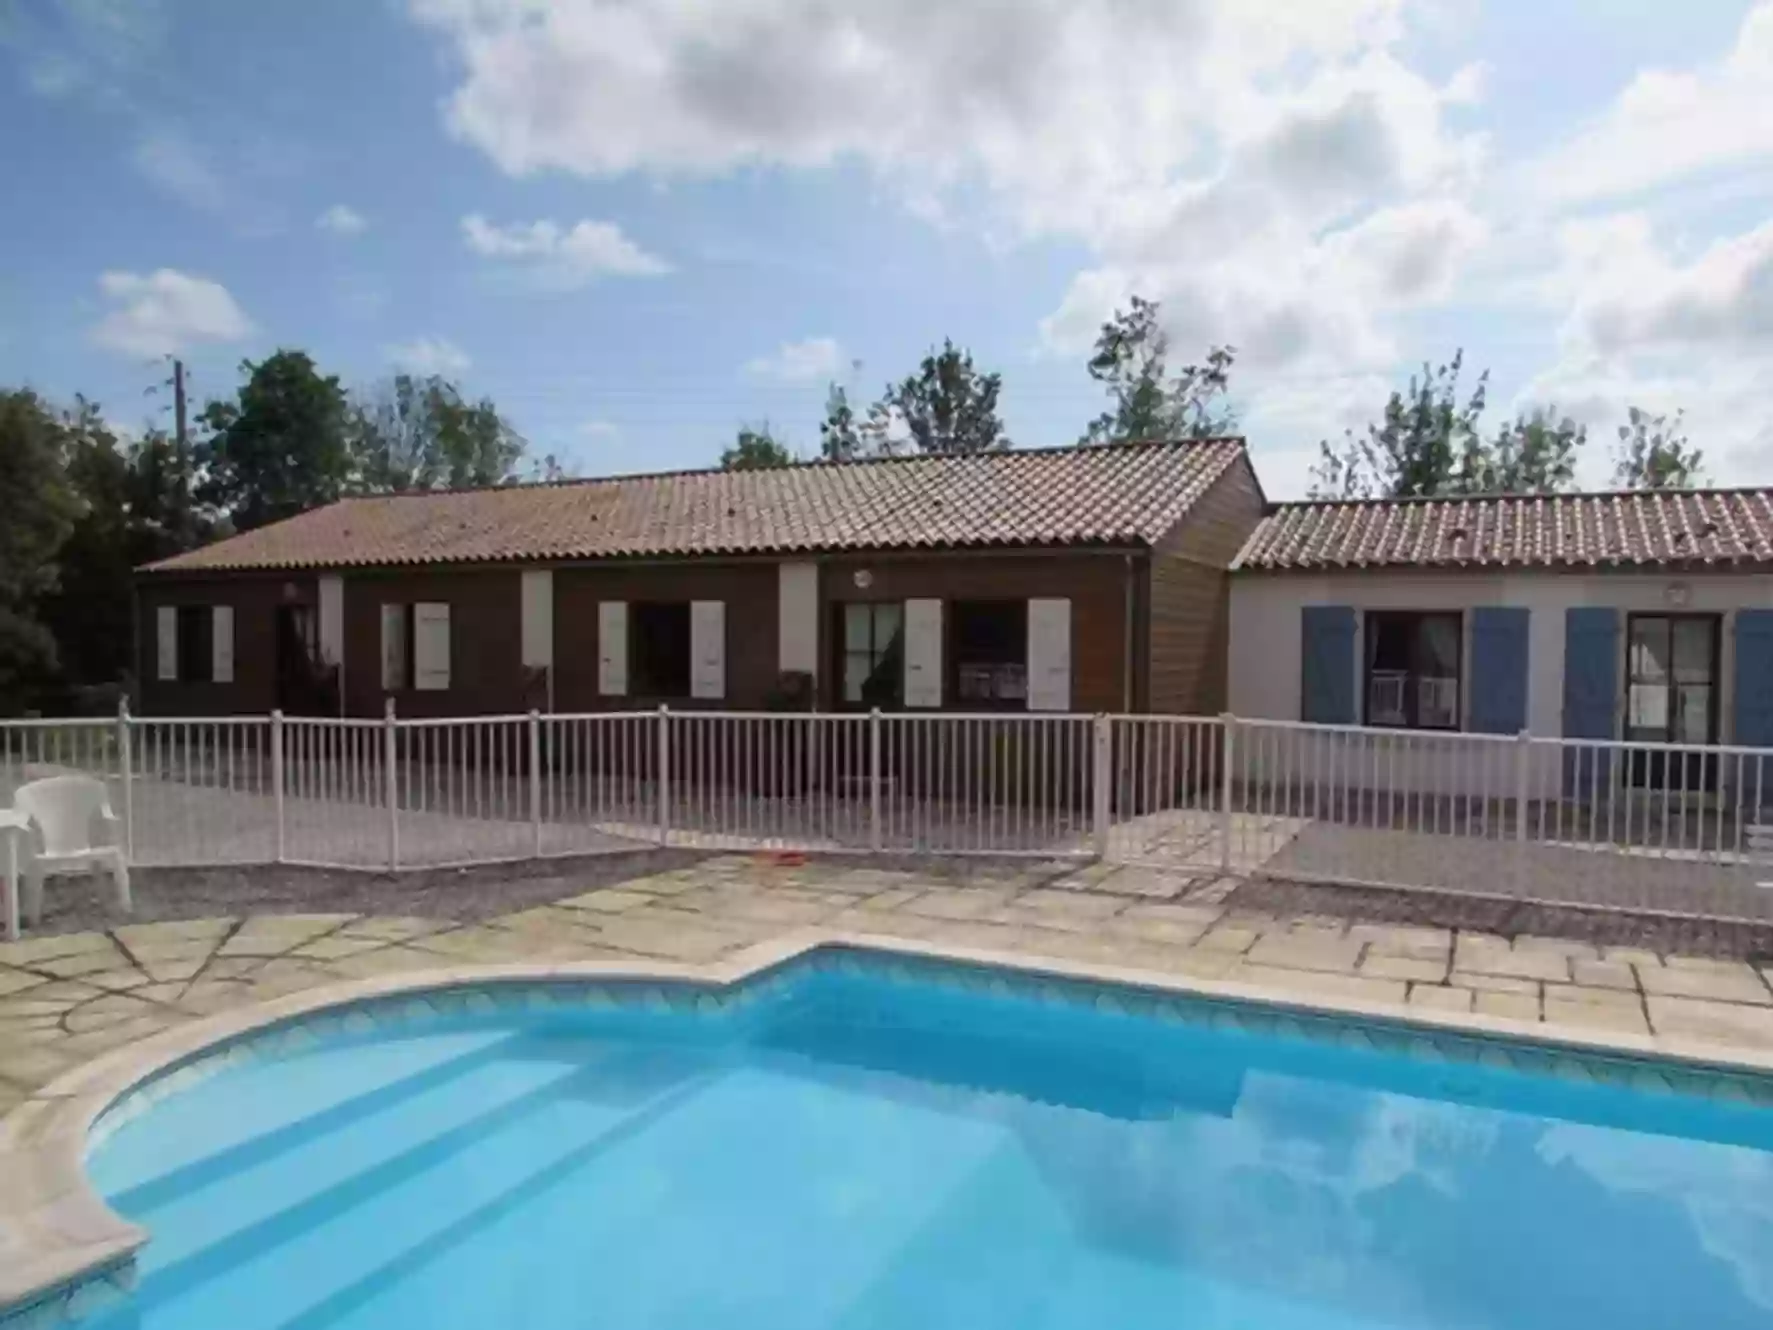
[(855, 1140)]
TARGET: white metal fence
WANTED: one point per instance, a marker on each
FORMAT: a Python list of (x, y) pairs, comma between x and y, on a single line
[(1640, 826)]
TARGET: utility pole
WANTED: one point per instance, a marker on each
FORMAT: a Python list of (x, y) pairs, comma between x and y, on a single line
[(182, 450)]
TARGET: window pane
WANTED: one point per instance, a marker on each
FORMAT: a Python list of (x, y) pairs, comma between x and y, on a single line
[(887, 619), (659, 649), (855, 673), (1647, 709), (1437, 647), (1692, 720), (991, 631), (1389, 642), (1649, 650), (1692, 650), (856, 621), (1385, 697)]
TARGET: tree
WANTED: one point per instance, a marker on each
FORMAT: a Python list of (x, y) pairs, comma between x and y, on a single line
[(36, 512), (1425, 444), (1654, 454), (755, 450), (948, 406), (281, 447), (411, 433), (1535, 454), (1131, 362), (840, 438)]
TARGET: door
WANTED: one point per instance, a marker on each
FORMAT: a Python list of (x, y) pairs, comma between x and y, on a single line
[(1671, 697), (305, 686)]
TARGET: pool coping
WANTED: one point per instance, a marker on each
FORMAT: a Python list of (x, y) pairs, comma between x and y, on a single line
[(57, 1234)]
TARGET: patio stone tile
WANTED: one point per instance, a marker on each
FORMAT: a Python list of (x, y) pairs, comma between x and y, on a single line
[(1308, 951), (1481, 955), (1068, 904), (1718, 982), (1419, 970), (27, 951), (1493, 983), (680, 942), (157, 953), (17, 981), (1222, 937), (1204, 915), (107, 1010), (57, 994), (1319, 983), (160, 992), (1557, 946), (1162, 931), (1606, 974), (1513, 1006), (892, 898), (1404, 940), (272, 935), (208, 997), (1594, 1008), (392, 959), (84, 962), (608, 900), (1436, 998), (166, 972), (334, 947), (394, 928), (779, 910), (117, 981), (957, 903), (91, 1043), (11, 1096), (35, 1064), (1630, 956), (172, 932), (233, 967), (1726, 1022), (1146, 883)]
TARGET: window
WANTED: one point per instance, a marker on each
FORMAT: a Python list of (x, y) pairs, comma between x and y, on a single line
[(1671, 676), (396, 648), (873, 638), (1413, 670), (990, 653), (415, 647), (659, 649), (196, 638)]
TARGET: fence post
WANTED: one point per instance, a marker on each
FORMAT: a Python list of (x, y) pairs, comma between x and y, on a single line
[(535, 779), (874, 829), (1227, 765), (127, 778), (1523, 753), (1101, 760), (391, 780), (664, 763), (277, 782)]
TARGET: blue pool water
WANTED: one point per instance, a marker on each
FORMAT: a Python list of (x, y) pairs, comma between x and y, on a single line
[(857, 1150)]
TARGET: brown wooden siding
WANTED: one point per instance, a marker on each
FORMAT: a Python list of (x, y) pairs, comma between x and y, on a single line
[(749, 590), (485, 641), (1095, 583), (255, 601), (1188, 593)]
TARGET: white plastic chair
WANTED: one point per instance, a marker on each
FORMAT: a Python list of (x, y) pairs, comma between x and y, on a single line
[(63, 811)]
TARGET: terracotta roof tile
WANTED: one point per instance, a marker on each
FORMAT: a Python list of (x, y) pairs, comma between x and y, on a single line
[(1645, 528), (1124, 494)]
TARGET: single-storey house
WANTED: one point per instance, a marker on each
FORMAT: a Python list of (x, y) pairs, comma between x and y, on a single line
[(1070, 579), (1637, 616)]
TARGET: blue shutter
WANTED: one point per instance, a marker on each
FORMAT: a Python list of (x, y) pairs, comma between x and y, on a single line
[(1327, 665), (1498, 669), (1591, 692), (1751, 719)]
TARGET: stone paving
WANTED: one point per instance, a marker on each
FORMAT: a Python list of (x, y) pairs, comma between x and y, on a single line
[(67, 998)]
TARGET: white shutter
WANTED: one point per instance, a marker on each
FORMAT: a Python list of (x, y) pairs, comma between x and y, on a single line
[(1049, 655), (537, 590), (923, 653), (430, 647), (797, 621), (394, 652), (708, 648), (332, 620), (166, 643), (221, 644), (612, 648)]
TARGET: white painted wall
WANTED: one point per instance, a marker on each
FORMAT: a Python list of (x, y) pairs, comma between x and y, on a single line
[(797, 631), (1266, 647)]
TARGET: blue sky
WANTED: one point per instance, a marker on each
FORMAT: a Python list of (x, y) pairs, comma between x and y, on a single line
[(638, 225)]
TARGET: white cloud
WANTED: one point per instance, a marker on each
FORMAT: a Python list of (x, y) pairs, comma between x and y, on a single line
[(428, 355), (811, 358), (342, 220), (166, 311), (176, 165), (563, 257), (1671, 124)]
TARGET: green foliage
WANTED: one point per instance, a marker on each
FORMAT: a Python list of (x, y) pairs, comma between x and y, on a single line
[(1534, 454), (948, 405), (755, 449), (840, 438), (1131, 361), (281, 448), (411, 433), (1427, 442), (37, 510), (1655, 454)]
